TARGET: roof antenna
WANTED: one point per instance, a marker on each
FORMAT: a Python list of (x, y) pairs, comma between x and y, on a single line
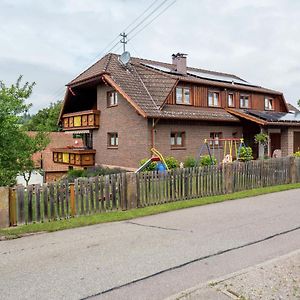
[(123, 40), (125, 57)]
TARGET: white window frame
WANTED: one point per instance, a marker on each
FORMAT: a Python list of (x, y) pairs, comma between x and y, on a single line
[(232, 98), (183, 91), (215, 100), (242, 101), (112, 98), (112, 140), (176, 136), (269, 103)]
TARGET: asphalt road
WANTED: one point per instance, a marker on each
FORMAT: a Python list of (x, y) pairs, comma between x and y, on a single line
[(152, 257)]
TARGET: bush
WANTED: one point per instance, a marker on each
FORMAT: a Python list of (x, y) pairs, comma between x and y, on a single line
[(172, 162), (100, 170), (190, 162), (206, 160), (150, 167), (297, 154), (92, 172), (245, 154), (73, 174)]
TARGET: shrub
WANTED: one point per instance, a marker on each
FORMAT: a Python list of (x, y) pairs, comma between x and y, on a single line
[(100, 170), (206, 160), (245, 154), (150, 167), (92, 172), (73, 174), (172, 162), (297, 154), (190, 162)]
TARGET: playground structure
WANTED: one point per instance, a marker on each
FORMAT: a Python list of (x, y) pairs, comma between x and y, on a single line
[(232, 146), (156, 156)]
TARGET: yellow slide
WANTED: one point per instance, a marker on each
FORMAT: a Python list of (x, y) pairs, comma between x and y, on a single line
[(159, 155)]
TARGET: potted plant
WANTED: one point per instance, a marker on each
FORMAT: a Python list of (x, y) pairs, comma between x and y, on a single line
[(262, 139)]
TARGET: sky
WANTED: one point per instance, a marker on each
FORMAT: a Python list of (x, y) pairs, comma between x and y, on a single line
[(51, 42)]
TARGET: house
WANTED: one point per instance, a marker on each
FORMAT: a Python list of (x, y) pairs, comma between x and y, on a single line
[(123, 109), (44, 159)]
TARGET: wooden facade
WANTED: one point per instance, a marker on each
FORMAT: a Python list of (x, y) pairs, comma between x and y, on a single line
[(199, 98), (74, 157), (89, 119)]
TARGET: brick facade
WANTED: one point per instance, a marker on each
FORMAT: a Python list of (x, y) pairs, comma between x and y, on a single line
[(132, 132), (195, 133)]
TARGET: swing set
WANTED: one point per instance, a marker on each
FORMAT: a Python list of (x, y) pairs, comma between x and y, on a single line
[(232, 146)]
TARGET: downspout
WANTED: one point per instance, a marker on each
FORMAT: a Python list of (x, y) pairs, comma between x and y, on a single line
[(153, 128)]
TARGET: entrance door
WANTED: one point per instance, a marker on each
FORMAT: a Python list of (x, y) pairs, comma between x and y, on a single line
[(275, 142), (296, 141)]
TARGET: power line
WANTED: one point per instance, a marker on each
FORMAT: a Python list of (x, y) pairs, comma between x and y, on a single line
[(148, 16), (153, 3), (152, 20), (60, 91)]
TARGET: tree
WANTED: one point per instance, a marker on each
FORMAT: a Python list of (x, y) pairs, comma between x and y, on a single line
[(45, 119), (30, 145), (299, 102), (16, 147)]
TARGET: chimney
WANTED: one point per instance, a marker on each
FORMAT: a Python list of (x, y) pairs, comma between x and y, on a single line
[(179, 62)]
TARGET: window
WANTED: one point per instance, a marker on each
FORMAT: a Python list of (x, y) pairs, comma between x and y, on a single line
[(244, 101), (112, 99), (269, 104), (215, 136), (112, 140), (177, 139), (230, 100), (213, 99), (183, 95)]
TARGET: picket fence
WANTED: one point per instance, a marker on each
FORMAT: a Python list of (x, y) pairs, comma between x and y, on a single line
[(86, 196)]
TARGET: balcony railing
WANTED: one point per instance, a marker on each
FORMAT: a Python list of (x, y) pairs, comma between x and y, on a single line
[(88, 119), (74, 156)]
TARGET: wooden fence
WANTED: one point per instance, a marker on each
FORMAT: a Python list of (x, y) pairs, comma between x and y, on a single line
[(55, 201)]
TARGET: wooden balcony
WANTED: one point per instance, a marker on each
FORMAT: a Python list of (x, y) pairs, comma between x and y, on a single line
[(74, 156), (88, 119)]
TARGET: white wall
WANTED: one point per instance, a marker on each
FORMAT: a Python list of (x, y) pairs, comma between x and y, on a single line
[(36, 178)]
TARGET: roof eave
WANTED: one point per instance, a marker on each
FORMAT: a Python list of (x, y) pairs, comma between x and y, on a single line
[(247, 117)]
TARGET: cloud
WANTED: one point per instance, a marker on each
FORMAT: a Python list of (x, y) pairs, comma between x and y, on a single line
[(52, 41)]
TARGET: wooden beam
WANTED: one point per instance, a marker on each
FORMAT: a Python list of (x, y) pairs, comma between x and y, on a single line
[(245, 116)]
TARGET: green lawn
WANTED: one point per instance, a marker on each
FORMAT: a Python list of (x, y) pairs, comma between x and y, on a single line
[(15, 232)]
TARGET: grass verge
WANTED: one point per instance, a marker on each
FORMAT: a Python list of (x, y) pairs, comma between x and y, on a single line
[(15, 232)]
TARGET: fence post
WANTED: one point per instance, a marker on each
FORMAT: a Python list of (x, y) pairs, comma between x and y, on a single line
[(228, 178), (293, 170), (131, 188), (72, 200), (12, 207), (4, 207)]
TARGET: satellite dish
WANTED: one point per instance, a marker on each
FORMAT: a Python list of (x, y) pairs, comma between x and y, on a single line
[(125, 58)]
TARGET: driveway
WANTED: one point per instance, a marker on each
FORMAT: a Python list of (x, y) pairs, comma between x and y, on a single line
[(152, 257)]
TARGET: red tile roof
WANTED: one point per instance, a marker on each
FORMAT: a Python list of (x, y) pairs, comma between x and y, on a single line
[(148, 83)]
